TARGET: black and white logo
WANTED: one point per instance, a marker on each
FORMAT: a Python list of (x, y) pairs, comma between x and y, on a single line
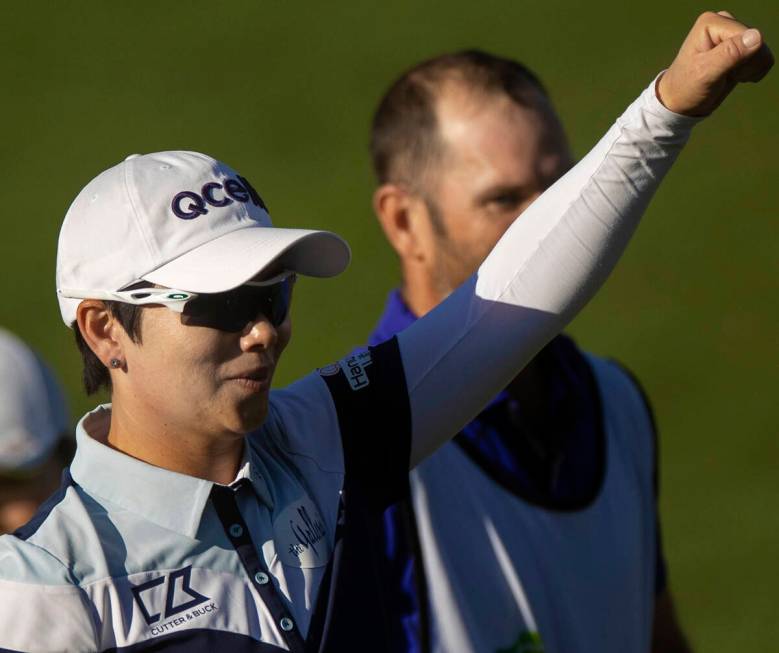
[(355, 369), (177, 591)]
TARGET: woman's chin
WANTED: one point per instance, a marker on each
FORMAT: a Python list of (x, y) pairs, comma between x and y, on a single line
[(251, 413)]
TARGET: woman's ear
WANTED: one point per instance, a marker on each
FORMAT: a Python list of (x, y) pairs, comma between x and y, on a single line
[(98, 328)]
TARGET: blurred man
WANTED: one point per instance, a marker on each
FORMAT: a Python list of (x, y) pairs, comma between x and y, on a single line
[(538, 523), (34, 441)]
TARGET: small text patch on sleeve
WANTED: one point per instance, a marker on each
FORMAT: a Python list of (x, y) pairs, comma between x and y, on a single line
[(355, 369)]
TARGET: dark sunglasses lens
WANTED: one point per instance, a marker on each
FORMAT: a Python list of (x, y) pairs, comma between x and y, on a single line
[(278, 302), (232, 310)]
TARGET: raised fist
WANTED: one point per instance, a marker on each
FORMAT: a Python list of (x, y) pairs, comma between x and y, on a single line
[(718, 53)]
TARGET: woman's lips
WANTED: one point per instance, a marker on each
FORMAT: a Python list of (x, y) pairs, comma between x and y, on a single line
[(254, 380)]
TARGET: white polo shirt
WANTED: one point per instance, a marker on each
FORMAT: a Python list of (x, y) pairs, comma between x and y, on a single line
[(127, 554)]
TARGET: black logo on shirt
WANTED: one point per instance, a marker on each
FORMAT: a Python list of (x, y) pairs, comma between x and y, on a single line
[(173, 589), (307, 532)]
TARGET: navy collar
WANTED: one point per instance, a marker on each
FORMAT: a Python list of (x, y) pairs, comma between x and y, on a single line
[(568, 479), (396, 317)]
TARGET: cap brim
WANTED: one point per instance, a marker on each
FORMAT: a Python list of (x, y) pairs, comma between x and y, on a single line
[(234, 258)]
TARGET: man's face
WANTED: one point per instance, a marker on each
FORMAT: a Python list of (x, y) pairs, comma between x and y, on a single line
[(202, 379), (497, 158)]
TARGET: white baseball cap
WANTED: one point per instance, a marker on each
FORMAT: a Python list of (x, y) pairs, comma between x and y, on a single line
[(180, 220), (33, 413)]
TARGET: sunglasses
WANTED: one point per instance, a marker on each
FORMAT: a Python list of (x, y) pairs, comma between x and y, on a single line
[(228, 311)]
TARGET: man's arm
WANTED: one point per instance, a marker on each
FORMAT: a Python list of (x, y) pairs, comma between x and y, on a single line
[(552, 260), (667, 635)]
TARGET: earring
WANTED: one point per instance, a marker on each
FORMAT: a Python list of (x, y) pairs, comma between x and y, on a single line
[(115, 362)]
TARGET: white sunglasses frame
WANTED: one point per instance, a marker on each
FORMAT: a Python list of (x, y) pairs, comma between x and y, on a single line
[(171, 298)]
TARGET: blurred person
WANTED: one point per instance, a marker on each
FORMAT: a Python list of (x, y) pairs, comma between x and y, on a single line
[(203, 511), (35, 439), (539, 521)]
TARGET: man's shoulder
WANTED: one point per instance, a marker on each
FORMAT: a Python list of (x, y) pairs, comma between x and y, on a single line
[(627, 411), (609, 362), (614, 376)]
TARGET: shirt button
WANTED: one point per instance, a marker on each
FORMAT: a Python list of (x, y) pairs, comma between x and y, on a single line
[(261, 578), (236, 530), (287, 624)]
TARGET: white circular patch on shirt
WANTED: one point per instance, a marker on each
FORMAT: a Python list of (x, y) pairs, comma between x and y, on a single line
[(301, 537)]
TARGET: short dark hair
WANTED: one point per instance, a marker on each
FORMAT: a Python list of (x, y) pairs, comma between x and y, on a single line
[(95, 375), (404, 131)]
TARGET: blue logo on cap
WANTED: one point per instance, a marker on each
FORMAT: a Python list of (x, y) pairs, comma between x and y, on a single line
[(188, 204)]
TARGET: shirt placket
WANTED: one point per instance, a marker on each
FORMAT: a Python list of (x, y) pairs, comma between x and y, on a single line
[(226, 505)]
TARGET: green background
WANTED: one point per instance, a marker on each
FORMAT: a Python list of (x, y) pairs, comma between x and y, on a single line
[(284, 92)]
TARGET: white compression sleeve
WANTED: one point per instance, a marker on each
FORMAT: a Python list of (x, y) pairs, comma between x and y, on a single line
[(543, 270)]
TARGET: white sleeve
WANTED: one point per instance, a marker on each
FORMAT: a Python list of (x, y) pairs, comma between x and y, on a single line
[(543, 270)]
